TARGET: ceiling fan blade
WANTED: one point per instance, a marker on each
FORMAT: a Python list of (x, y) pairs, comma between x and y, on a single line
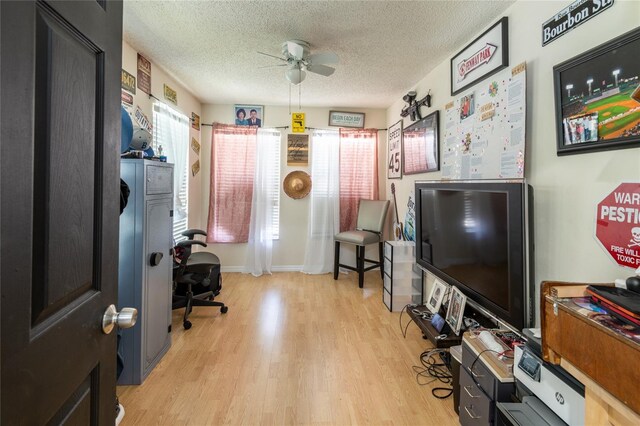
[(321, 69), (324, 58), (273, 56), (273, 66), (295, 50)]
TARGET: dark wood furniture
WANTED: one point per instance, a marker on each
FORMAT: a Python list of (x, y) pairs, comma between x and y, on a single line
[(604, 361), (431, 333)]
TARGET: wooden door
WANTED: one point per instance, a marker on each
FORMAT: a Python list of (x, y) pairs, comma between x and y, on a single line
[(59, 158)]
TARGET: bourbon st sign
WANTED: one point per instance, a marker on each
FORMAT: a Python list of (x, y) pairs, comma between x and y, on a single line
[(570, 17)]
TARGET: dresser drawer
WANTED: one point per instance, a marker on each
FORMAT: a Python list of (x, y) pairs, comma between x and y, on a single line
[(475, 407), (480, 372)]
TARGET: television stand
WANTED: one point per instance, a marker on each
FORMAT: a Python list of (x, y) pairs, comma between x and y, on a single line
[(430, 333)]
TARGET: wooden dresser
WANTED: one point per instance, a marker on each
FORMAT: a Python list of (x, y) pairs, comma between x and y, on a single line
[(605, 361)]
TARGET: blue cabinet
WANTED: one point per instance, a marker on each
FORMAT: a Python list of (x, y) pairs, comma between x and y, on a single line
[(146, 235)]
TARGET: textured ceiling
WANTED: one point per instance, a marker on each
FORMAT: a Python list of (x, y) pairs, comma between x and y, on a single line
[(385, 47)]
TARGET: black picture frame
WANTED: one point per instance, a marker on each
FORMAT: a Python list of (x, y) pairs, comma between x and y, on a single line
[(601, 97), (421, 136), (470, 50)]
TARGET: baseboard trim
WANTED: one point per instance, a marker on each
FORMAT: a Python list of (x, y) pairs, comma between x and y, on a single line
[(279, 268)]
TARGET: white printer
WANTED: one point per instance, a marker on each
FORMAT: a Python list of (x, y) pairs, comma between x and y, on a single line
[(551, 384)]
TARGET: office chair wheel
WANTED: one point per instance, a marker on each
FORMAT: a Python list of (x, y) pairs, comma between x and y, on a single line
[(224, 309), (186, 325)]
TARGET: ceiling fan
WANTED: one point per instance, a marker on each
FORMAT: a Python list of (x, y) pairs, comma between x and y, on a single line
[(298, 61)]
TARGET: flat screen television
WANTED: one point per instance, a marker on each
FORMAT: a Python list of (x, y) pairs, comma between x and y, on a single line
[(474, 235)]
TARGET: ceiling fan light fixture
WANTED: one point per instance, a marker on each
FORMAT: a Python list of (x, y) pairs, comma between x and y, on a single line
[(295, 75)]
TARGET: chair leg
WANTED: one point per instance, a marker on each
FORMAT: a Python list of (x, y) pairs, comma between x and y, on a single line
[(336, 260), (360, 263), (381, 257)]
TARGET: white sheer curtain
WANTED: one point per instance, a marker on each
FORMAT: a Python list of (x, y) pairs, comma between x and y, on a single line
[(171, 130), (265, 203), (324, 211)]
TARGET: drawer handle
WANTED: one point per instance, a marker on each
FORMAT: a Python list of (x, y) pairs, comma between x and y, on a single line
[(476, 375), (470, 413), (466, 388)]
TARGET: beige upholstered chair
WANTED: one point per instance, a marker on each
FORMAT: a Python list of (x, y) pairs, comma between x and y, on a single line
[(371, 218)]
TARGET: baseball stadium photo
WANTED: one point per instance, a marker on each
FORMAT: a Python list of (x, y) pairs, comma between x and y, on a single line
[(600, 97)]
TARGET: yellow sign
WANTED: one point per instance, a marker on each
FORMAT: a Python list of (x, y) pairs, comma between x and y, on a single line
[(297, 122)]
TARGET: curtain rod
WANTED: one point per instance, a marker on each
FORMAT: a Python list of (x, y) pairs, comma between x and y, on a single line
[(286, 127)]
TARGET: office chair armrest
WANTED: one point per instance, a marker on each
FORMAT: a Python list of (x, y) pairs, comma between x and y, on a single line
[(189, 243), (191, 233)]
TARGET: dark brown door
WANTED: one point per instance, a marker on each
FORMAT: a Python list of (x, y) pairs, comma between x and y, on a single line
[(59, 172)]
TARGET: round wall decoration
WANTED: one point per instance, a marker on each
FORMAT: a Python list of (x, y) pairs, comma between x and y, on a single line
[(297, 184)]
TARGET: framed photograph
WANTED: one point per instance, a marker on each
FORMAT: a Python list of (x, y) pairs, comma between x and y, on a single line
[(421, 145), (455, 311), (394, 156), (483, 57), (434, 302), (597, 97), (346, 119), (249, 115)]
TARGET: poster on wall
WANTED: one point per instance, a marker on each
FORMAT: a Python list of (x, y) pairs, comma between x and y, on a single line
[(297, 150), (484, 129), (144, 74), (195, 168), (195, 146), (410, 219), (128, 82), (394, 157), (195, 121), (143, 120), (126, 98), (170, 95), (482, 58), (618, 224)]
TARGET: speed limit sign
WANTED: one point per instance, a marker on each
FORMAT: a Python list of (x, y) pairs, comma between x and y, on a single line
[(394, 160)]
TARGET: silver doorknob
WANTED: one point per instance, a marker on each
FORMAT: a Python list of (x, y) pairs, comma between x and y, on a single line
[(126, 318)]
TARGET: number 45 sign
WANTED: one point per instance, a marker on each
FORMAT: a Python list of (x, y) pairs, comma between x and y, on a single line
[(394, 159)]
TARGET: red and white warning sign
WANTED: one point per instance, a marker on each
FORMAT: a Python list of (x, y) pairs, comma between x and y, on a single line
[(618, 224)]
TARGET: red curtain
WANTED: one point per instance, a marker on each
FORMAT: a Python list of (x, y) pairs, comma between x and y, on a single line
[(231, 188), (358, 172)]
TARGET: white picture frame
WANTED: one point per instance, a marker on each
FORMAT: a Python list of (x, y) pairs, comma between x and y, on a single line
[(455, 310), (346, 119), (436, 297)]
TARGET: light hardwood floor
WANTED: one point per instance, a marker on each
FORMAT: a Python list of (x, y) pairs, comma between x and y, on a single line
[(293, 349)]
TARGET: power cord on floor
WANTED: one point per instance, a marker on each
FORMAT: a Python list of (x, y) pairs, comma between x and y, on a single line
[(404, 331), (435, 370)]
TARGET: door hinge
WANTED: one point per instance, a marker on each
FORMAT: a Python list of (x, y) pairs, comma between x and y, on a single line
[(170, 213), (169, 329)]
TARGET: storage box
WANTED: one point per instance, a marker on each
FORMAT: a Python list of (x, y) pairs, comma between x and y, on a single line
[(402, 278)]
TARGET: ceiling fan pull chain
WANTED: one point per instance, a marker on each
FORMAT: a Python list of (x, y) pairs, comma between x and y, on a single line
[(299, 97), (289, 98)]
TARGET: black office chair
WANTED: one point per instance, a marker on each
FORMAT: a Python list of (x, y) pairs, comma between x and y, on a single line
[(196, 277)]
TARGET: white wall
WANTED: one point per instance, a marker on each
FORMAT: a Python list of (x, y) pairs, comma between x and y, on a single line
[(187, 103), (288, 251), (566, 189)]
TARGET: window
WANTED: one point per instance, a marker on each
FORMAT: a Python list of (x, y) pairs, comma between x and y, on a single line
[(233, 173), (358, 172), (171, 136)]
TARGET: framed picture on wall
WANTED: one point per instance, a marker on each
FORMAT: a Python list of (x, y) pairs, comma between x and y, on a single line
[(483, 57), (421, 146), (597, 97), (249, 115), (394, 157)]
